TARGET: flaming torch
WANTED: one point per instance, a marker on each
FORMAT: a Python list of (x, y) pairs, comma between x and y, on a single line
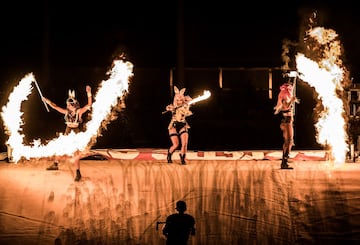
[(204, 96)]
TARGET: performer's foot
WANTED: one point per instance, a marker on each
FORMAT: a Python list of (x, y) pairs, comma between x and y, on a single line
[(78, 175), (284, 162), (182, 159), (286, 166), (169, 157), (54, 166)]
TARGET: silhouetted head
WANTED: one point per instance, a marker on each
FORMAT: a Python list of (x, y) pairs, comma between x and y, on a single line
[(181, 206)]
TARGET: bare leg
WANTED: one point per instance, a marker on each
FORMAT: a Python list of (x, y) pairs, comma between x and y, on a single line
[(287, 130), (288, 134), (76, 160), (184, 137), (174, 143)]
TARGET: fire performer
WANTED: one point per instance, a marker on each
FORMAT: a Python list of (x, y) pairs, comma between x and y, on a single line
[(285, 106), (178, 126), (73, 119)]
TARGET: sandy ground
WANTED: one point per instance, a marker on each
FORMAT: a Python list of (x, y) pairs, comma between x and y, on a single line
[(233, 202)]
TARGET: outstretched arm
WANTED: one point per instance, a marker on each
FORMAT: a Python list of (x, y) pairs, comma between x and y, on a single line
[(54, 106)]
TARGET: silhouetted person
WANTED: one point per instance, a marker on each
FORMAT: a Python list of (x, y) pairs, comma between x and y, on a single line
[(58, 241), (179, 226)]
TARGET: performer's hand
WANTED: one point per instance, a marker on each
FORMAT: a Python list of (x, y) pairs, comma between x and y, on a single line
[(88, 91), (170, 107), (277, 110), (44, 99)]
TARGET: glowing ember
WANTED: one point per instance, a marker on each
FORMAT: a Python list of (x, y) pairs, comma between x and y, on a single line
[(104, 100), (326, 75)]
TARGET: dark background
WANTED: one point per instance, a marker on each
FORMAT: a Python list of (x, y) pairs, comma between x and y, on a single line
[(68, 44)]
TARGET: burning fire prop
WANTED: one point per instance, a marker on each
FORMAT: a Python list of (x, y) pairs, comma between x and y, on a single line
[(204, 96), (104, 100), (326, 75)]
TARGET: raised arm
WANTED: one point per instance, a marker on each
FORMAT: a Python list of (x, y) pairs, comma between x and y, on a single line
[(89, 104)]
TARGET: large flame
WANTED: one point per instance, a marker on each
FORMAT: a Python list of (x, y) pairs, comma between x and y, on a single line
[(326, 75), (105, 99)]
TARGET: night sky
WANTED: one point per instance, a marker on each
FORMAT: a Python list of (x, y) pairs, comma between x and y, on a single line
[(215, 34), (56, 38)]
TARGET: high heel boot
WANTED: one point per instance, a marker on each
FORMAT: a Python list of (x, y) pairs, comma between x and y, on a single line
[(54, 166), (169, 157), (284, 161), (182, 158), (78, 175)]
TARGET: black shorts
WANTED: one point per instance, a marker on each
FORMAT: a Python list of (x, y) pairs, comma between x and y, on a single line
[(178, 126), (286, 119)]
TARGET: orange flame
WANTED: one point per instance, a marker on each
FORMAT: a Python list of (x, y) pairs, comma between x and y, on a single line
[(325, 76), (104, 100), (202, 97)]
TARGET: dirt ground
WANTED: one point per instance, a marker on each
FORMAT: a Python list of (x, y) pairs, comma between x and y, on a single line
[(233, 202)]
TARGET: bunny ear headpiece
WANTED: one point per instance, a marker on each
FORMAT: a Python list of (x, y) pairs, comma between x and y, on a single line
[(179, 94), (71, 99), (71, 93)]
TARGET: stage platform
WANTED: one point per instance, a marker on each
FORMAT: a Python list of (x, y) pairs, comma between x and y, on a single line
[(236, 197), (160, 154)]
